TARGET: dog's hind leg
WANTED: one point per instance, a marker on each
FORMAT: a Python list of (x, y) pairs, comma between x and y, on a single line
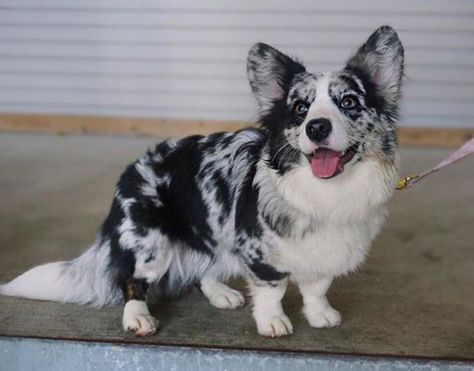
[(221, 295), (136, 316), (150, 266)]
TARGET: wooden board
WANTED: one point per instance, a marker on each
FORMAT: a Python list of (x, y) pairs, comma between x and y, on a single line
[(412, 298), (68, 124)]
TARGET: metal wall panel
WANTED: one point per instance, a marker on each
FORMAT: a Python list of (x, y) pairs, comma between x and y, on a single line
[(186, 59)]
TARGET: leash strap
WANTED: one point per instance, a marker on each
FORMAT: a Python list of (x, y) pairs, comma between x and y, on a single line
[(466, 150)]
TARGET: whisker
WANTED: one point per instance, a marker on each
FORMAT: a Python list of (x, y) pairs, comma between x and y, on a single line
[(293, 143), (279, 150), (291, 152)]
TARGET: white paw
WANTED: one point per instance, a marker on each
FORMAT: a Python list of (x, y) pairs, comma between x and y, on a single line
[(276, 326), (137, 318), (328, 317), (226, 298), (141, 325)]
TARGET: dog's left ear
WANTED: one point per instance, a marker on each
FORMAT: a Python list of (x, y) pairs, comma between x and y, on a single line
[(381, 59), (270, 73)]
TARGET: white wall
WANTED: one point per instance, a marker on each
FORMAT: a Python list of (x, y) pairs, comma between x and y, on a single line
[(186, 59)]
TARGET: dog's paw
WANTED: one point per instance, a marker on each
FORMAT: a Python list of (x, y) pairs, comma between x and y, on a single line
[(275, 326), (220, 295), (141, 325), (326, 318), (226, 298), (137, 319)]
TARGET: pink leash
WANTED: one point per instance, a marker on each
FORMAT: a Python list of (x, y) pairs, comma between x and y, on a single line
[(466, 150)]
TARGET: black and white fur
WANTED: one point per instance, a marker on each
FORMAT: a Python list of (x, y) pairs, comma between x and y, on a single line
[(205, 209)]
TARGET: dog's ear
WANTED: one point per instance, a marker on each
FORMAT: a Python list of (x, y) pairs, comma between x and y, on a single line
[(381, 60), (270, 74)]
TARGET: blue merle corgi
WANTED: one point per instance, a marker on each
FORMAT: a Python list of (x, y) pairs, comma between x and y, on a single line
[(299, 199)]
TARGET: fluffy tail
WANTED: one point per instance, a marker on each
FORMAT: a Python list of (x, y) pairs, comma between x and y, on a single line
[(84, 280)]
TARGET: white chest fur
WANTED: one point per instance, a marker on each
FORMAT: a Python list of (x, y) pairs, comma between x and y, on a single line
[(332, 249), (348, 212)]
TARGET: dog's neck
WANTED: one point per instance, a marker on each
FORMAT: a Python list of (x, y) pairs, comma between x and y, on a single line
[(352, 195)]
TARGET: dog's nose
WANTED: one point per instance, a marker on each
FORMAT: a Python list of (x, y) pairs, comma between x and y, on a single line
[(318, 129)]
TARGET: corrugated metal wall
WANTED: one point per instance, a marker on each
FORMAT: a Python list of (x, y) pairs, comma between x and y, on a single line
[(186, 59)]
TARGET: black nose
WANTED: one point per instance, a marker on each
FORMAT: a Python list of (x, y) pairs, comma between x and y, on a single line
[(318, 129)]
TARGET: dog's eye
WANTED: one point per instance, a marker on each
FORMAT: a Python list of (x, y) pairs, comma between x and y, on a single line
[(349, 102), (301, 108)]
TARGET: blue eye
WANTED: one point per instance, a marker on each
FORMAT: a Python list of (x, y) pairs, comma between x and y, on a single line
[(301, 108), (349, 102)]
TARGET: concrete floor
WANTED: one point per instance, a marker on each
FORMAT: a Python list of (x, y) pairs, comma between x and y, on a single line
[(413, 297)]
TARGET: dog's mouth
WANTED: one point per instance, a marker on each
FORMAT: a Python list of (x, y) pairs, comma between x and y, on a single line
[(327, 163)]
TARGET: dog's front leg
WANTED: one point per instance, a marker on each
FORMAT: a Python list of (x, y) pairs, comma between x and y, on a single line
[(317, 309), (267, 310)]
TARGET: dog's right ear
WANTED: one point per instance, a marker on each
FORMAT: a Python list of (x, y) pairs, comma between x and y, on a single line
[(270, 74)]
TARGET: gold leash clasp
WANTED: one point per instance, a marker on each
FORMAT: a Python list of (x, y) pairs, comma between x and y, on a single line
[(405, 182)]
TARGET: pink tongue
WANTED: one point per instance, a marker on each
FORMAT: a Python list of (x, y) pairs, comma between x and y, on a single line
[(325, 163)]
